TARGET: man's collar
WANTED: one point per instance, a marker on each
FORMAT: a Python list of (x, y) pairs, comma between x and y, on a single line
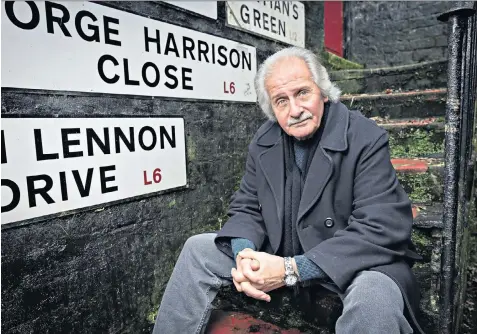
[(334, 135)]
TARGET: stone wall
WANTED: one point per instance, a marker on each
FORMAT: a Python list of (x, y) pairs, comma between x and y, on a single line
[(104, 271), (390, 33)]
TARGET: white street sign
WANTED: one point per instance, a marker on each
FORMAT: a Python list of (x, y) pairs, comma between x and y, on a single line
[(88, 47), (52, 165), (283, 21)]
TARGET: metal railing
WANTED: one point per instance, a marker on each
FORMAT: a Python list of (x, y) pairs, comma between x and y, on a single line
[(459, 166)]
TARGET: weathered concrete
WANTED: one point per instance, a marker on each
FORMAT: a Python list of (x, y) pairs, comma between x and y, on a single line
[(333, 62), (415, 137), (427, 216), (417, 142), (420, 104), (426, 236), (427, 75), (469, 323), (241, 323), (422, 180), (286, 311)]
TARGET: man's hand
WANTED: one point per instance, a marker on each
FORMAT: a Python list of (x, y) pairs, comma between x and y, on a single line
[(269, 275), (242, 283), (248, 267)]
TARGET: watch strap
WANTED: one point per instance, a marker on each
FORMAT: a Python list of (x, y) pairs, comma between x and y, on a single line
[(288, 266)]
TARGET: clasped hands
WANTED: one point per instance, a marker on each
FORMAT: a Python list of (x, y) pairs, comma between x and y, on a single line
[(258, 273)]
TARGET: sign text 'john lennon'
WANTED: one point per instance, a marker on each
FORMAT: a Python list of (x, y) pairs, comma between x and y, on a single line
[(87, 47), (52, 165)]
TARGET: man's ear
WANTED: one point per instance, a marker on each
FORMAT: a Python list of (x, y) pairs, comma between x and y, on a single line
[(323, 97)]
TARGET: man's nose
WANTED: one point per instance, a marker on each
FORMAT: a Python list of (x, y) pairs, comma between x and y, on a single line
[(295, 109)]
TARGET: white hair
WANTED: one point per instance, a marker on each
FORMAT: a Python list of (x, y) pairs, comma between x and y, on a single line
[(318, 72)]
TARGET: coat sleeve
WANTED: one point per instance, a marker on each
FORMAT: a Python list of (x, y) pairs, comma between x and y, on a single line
[(380, 224), (245, 217)]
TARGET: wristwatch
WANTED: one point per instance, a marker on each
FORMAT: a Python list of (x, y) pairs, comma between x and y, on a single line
[(290, 276)]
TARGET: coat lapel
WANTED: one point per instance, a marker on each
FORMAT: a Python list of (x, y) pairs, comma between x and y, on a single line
[(272, 163), (334, 138), (319, 174)]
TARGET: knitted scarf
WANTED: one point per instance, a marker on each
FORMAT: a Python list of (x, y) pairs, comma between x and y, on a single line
[(298, 156)]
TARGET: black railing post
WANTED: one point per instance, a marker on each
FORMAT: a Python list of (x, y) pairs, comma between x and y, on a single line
[(457, 19)]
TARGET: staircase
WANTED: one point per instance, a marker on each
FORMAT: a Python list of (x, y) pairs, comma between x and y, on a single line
[(409, 102), (413, 114)]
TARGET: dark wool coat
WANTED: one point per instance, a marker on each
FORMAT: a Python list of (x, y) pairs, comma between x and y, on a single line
[(353, 215)]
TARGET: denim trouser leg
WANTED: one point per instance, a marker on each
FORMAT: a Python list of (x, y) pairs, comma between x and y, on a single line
[(372, 303), (198, 274)]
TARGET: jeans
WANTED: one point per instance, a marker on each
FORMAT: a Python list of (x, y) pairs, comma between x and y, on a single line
[(372, 303)]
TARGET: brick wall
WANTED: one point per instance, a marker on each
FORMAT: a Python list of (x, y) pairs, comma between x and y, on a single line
[(390, 33)]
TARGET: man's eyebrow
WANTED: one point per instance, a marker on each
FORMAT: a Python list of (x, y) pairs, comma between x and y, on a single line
[(300, 87), (277, 96), (304, 86), (293, 90)]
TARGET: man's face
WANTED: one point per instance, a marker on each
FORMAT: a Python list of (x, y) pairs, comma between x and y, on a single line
[(296, 99)]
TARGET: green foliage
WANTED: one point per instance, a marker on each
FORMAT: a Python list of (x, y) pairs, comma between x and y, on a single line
[(335, 63), (469, 323), (191, 149), (414, 142), (422, 187), (151, 317), (420, 239)]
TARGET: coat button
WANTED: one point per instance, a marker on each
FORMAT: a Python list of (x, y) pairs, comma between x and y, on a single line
[(260, 207), (329, 222)]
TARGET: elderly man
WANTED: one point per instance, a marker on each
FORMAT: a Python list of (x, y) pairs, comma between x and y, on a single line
[(319, 205)]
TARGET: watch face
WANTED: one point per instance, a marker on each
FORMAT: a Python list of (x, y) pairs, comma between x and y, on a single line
[(291, 280)]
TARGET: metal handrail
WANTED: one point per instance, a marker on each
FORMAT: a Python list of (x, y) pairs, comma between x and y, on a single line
[(458, 146)]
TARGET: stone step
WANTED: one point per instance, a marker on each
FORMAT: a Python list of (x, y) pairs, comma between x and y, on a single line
[(237, 313), (427, 226), (420, 104), (427, 236), (222, 322), (416, 137), (426, 75), (318, 315), (422, 179), (427, 216)]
